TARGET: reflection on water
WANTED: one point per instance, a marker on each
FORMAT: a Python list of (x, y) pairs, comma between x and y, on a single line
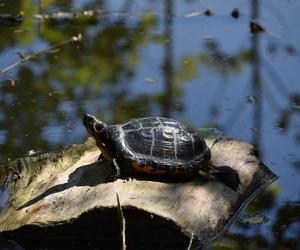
[(205, 70), (3, 197)]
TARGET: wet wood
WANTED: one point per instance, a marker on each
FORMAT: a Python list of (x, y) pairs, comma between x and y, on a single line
[(68, 190)]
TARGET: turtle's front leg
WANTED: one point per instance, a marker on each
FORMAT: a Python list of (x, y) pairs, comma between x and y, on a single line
[(115, 173)]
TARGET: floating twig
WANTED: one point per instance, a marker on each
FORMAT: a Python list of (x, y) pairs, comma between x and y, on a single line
[(192, 14), (122, 224), (26, 58), (58, 16), (150, 80), (207, 12), (86, 16), (256, 27)]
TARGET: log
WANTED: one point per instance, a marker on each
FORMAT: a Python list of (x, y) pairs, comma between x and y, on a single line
[(63, 198)]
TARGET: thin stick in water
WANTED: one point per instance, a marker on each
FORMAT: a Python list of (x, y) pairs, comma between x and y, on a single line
[(122, 224), (191, 242)]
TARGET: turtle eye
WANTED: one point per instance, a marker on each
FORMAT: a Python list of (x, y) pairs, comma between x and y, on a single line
[(88, 118), (98, 127)]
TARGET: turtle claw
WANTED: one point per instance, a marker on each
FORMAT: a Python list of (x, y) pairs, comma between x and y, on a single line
[(101, 158), (128, 179)]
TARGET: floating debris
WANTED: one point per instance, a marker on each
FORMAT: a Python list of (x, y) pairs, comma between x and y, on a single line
[(26, 58), (208, 12), (86, 16), (250, 99), (58, 16), (22, 54), (255, 219), (56, 50), (8, 19), (19, 31), (235, 13), (150, 80), (256, 27), (195, 13), (77, 38), (90, 12), (67, 17)]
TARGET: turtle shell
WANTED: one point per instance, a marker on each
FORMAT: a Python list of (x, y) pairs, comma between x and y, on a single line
[(159, 145)]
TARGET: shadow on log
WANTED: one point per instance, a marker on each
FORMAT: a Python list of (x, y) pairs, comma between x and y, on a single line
[(61, 200)]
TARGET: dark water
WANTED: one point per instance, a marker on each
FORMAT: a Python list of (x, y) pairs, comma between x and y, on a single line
[(144, 58)]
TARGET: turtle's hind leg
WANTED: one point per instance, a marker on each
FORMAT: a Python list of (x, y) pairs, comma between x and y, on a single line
[(225, 174)]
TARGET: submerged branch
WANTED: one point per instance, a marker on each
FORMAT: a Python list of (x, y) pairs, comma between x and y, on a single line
[(26, 58)]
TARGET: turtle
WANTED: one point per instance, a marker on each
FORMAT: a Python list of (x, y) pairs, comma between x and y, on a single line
[(156, 146)]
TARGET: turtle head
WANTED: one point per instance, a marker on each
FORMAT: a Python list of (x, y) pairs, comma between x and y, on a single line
[(98, 130)]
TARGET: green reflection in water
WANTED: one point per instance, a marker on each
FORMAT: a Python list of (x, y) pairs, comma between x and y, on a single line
[(96, 75)]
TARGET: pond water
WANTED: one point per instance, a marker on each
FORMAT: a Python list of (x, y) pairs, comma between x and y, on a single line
[(166, 58)]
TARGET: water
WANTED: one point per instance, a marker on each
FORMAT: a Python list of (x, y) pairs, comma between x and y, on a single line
[(145, 58)]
